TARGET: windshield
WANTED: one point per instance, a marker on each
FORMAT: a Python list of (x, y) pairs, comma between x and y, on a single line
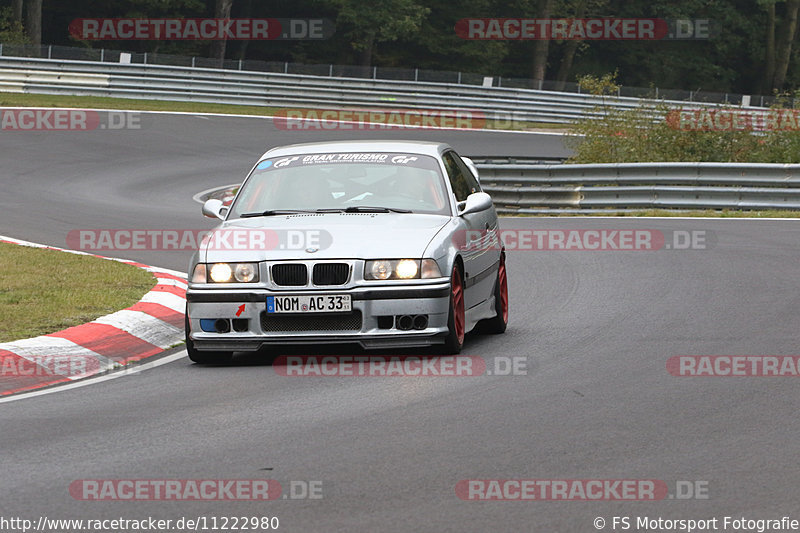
[(332, 181)]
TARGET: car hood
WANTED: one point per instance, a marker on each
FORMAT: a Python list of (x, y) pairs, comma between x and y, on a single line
[(334, 235)]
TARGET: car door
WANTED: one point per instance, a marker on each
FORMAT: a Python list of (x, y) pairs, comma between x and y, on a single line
[(480, 258)]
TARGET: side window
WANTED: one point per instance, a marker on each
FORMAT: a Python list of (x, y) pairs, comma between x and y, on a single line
[(461, 179)]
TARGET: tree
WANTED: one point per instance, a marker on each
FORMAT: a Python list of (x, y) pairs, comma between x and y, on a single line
[(769, 60), (11, 30), (575, 9), (367, 23), (222, 11), (439, 47), (570, 48), (33, 22), (783, 48), (542, 46), (17, 11)]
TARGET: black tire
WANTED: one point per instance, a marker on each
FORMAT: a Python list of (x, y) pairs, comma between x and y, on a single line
[(499, 323), (204, 357), (454, 340)]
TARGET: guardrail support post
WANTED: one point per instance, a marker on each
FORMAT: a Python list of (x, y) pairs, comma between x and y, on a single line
[(416, 75), (459, 78), (240, 64), (193, 58), (286, 67), (374, 73), (50, 52), (102, 54), (330, 70), (145, 58)]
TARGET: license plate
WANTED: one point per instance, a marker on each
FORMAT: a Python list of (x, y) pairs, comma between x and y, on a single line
[(306, 303)]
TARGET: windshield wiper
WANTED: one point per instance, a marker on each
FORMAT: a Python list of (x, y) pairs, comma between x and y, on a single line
[(274, 212), (364, 209)]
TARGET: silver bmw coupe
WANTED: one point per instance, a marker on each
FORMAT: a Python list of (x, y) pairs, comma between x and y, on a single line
[(381, 244)]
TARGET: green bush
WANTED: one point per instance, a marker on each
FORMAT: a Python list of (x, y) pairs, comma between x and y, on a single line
[(654, 133), (11, 32)]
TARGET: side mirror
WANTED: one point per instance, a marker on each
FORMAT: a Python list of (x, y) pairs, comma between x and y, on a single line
[(213, 208), (475, 203), (471, 166)]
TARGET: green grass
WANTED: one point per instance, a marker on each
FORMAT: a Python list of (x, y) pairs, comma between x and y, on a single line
[(44, 291)]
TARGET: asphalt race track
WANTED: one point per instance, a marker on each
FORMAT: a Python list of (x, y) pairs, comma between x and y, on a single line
[(596, 329)]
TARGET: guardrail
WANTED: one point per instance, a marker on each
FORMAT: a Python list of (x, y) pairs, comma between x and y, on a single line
[(187, 84), (543, 189)]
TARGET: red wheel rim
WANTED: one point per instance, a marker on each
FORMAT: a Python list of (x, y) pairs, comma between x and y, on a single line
[(458, 305), (503, 288)]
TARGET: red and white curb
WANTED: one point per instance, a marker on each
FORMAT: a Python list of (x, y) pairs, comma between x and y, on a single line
[(147, 328)]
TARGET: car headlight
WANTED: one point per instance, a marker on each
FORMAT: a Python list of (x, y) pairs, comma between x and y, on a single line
[(382, 269), (225, 273), (245, 272), (221, 273), (407, 269)]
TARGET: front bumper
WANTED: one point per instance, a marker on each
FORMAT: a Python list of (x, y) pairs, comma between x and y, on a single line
[(431, 300)]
